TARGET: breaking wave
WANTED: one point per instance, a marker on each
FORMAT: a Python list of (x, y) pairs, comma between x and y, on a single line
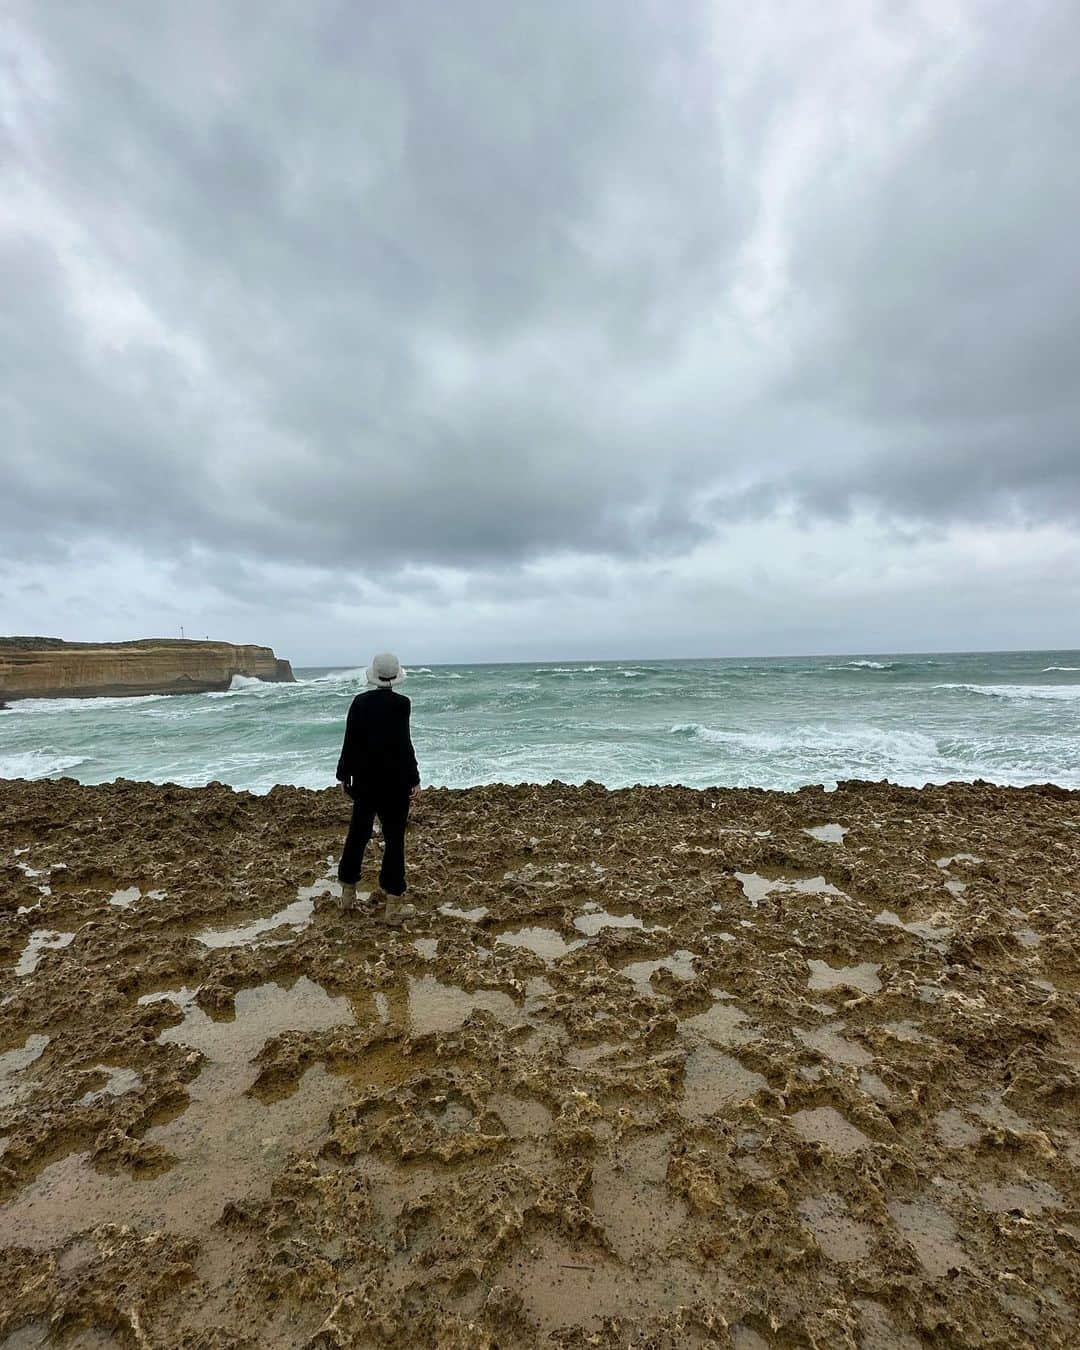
[(249, 684), (340, 676), (809, 740), (37, 764), (1052, 692), (866, 664), (69, 705), (694, 722)]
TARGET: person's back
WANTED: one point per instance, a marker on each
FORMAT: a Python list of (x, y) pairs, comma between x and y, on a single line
[(377, 768), (378, 751)]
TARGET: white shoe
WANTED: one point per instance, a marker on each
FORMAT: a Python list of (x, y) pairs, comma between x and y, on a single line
[(347, 899), (396, 911)]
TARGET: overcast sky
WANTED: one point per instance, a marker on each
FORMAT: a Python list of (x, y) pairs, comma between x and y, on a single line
[(503, 329)]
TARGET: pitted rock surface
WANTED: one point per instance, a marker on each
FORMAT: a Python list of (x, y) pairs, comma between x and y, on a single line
[(673, 1113)]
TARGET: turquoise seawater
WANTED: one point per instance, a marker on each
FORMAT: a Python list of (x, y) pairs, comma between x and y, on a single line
[(776, 723)]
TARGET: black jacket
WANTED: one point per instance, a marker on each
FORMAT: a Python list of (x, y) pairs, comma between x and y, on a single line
[(378, 753)]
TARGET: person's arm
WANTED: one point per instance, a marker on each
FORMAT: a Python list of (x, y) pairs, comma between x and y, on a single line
[(343, 772), (414, 768)]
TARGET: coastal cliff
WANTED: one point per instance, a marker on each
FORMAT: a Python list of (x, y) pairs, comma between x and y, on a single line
[(35, 667)]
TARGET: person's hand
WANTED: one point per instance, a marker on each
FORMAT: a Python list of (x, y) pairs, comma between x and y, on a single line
[(345, 789)]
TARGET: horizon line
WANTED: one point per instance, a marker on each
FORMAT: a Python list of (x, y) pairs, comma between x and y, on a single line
[(673, 660)]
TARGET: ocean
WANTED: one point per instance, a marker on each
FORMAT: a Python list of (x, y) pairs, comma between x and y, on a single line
[(1012, 718)]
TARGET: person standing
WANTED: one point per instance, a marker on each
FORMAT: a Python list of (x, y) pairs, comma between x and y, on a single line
[(378, 770)]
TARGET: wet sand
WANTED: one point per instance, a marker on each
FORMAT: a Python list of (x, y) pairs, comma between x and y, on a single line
[(655, 1068)]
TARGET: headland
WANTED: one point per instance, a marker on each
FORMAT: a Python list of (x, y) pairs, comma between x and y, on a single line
[(39, 667)]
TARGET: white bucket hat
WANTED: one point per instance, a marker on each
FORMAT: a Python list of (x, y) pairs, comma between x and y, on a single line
[(385, 670)]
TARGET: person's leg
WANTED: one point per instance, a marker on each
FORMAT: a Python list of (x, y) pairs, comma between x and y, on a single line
[(394, 813), (356, 841)]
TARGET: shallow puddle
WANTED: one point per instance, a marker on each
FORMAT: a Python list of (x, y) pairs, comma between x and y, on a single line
[(295, 916), (828, 1042), (434, 1006), (580, 1056), (467, 915), (522, 1117), (181, 997), (827, 834), (840, 1237), (863, 977), (746, 1338), (825, 1125), (260, 1014), (994, 1111), (1030, 1197), (1027, 937), (932, 1233), (13, 1062), (22, 1056), (126, 898), (227, 1146), (544, 942), (955, 1130), (712, 1081), (26, 1337), (32, 873), (906, 1030), (921, 928), (873, 1086), (40, 940), (756, 887), (595, 919), (877, 1330), (638, 1212), (426, 947), (564, 1285), (119, 1082), (722, 1024), (681, 965), (946, 863), (537, 993), (753, 1168)]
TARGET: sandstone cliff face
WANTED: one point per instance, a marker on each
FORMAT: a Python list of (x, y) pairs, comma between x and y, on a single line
[(51, 668)]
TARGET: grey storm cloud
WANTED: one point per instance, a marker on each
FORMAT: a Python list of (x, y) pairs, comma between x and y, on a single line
[(481, 283)]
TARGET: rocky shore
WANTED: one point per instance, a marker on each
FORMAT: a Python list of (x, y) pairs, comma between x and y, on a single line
[(52, 668), (656, 1067)]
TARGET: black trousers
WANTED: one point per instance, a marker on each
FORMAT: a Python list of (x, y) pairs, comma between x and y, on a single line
[(392, 808)]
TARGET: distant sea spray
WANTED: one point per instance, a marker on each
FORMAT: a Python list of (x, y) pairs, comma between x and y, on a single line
[(777, 723)]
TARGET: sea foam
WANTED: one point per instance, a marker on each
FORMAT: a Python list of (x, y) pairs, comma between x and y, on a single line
[(36, 764), (694, 722), (1054, 692)]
